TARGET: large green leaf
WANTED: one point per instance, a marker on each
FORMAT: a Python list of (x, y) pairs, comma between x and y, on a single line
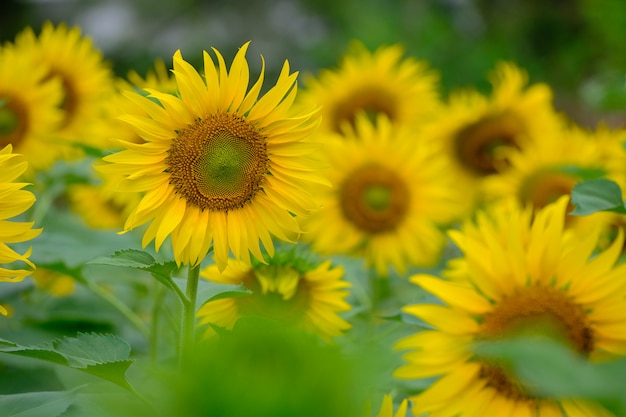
[(597, 195), (209, 291)]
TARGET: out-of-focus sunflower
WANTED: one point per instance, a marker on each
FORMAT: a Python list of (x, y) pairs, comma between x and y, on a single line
[(380, 82), (521, 271), (220, 165), (474, 128), (292, 290), (545, 170), (13, 202), (390, 197), (86, 79), (29, 113)]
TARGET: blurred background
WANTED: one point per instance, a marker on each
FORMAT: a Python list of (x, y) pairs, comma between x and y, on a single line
[(578, 47)]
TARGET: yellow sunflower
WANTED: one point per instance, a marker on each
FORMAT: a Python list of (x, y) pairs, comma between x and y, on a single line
[(294, 291), (29, 113), (545, 170), (389, 198), (403, 88), (220, 166), (13, 202), (474, 128), (519, 272), (86, 78)]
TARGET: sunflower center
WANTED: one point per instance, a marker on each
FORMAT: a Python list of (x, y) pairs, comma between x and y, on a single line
[(541, 311), (479, 144), (546, 187), (371, 101), (13, 122), (374, 198), (219, 163)]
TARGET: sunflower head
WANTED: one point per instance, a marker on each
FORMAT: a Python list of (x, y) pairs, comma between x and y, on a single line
[(219, 164), (391, 194), (289, 288), (521, 273), (380, 82)]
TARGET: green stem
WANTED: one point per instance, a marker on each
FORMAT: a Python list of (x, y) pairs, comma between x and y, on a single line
[(187, 334), (119, 306)]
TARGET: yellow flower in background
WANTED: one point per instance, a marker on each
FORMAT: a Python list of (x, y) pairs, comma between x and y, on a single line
[(389, 198), (220, 165), (53, 282), (296, 292), (29, 112), (386, 409), (13, 202), (545, 170), (87, 80), (520, 272), (380, 82), (475, 129), (99, 205)]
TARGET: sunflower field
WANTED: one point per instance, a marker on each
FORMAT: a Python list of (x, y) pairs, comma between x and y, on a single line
[(313, 208)]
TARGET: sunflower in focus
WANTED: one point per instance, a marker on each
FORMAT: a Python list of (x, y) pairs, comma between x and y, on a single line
[(546, 170), (520, 272), (391, 196), (286, 289), (13, 202), (28, 108), (86, 79), (379, 82), (220, 165), (475, 129)]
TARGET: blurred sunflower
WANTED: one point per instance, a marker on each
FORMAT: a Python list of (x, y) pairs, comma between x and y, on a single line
[(287, 289), (383, 81), (475, 129), (86, 79), (386, 409), (520, 272), (220, 166), (13, 202), (29, 112), (389, 198), (545, 170)]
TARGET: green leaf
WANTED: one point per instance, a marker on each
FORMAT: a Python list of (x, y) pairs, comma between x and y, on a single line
[(597, 195), (137, 259), (35, 404), (213, 291), (103, 355)]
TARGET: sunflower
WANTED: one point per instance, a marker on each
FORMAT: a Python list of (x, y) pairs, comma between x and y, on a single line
[(292, 290), (383, 81), (86, 78), (474, 128), (219, 165), (29, 112), (520, 271), (545, 170), (389, 198), (13, 202)]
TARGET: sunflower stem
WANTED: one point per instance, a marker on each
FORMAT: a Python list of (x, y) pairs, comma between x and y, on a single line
[(188, 327)]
